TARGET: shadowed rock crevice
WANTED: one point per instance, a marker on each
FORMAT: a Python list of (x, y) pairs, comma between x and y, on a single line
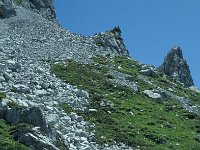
[(175, 66), (6, 9)]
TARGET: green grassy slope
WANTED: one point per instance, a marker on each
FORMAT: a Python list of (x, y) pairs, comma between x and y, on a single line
[(133, 118)]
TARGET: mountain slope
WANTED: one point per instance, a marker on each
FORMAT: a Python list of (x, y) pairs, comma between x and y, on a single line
[(126, 115), (61, 90)]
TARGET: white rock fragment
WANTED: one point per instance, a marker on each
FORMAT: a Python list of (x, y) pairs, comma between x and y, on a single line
[(12, 65), (40, 92), (194, 89), (151, 94), (92, 110)]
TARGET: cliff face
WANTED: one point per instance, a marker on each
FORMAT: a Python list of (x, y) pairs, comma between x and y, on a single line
[(175, 66)]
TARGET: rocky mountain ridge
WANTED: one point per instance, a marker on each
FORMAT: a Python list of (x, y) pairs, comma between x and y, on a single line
[(55, 85)]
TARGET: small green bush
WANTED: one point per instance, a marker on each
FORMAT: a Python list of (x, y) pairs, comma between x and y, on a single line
[(99, 43), (14, 105), (2, 95), (17, 2)]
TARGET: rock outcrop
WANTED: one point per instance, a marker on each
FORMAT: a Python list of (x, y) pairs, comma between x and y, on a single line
[(32, 116), (6, 9), (175, 66), (42, 7), (33, 139), (111, 41), (45, 8), (148, 71), (31, 126)]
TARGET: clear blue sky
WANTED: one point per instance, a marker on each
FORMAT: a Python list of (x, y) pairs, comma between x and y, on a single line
[(149, 27)]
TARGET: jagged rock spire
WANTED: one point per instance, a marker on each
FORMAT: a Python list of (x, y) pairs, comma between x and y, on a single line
[(175, 66)]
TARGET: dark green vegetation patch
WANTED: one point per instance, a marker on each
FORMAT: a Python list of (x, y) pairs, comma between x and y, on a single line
[(6, 140), (127, 116), (17, 2), (14, 105), (2, 95)]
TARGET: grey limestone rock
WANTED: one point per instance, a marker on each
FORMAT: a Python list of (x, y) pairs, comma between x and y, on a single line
[(33, 139), (106, 104), (121, 79), (42, 7), (149, 72), (111, 41), (6, 9), (32, 116), (175, 66), (193, 88), (20, 88), (152, 94), (12, 65), (7, 76)]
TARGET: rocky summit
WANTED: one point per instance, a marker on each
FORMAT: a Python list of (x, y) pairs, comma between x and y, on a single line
[(175, 66), (64, 91)]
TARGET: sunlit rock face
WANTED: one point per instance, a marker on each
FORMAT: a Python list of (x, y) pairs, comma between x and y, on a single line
[(111, 42)]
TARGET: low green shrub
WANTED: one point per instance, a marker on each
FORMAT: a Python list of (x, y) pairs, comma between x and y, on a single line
[(14, 105), (2, 95), (17, 2), (6, 140)]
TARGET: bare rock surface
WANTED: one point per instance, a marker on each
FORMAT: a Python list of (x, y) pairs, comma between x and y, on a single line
[(175, 66), (42, 7)]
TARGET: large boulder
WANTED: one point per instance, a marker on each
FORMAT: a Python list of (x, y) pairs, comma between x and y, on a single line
[(175, 66), (31, 128), (149, 72), (33, 139), (42, 7), (152, 94), (32, 116), (6, 9)]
